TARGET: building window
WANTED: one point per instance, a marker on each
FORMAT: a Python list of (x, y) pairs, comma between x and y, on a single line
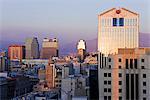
[(105, 89), (119, 59), (109, 97), (120, 90), (119, 67), (135, 63), (114, 21), (105, 97), (142, 67), (109, 59), (109, 66), (120, 82), (144, 83), (109, 90), (105, 82), (142, 60), (144, 98), (109, 82), (121, 21), (144, 75), (144, 91), (105, 74), (109, 74), (120, 75), (131, 63), (120, 98), (127, 64)]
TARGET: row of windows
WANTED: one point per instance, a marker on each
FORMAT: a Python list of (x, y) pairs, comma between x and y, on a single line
[(109, 98), (105, 75), (107, 82), (119, 21), (118, 30), (119, 60)]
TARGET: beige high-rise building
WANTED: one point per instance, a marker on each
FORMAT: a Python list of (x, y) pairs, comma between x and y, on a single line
[(49, 48), (32, 48), (117, 28)]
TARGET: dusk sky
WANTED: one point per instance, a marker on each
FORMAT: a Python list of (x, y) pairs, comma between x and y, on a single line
[(68, 20)]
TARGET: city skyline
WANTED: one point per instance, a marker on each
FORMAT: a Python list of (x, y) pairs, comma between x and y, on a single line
[(50, 19)]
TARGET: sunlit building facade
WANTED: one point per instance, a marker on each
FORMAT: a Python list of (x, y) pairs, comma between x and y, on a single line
[(16, 52), (125, 76), (49, 48), (117, 28)]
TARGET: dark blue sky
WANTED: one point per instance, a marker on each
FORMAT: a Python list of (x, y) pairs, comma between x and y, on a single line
[(68, 20)]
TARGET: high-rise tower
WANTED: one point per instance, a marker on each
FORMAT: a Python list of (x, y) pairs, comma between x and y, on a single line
[(117, 28), (32, 48)]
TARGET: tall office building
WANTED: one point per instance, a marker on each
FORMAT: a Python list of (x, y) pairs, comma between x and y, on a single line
[(32, 48), (126, 75), (3, 63), (117, 28), (16, 52), (50, 74), (49, 48), (81, 47)]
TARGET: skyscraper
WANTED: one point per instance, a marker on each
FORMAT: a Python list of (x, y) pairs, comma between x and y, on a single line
[(117, 28), (32, 48), (16, 52), (81, 47), (49, 48), (50, 74)]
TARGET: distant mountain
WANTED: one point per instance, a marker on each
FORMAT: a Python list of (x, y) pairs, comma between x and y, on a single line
[(71, 47), (144, 40)]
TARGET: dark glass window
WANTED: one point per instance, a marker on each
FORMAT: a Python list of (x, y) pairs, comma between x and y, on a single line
[(105, 74), (135, 63), (119, 60), (109, 74), (120, 98), (144, 98), (120, 82), (105, 89), (144, 75), (114, 21), (105, 82), (144, 91), (109, 90), (109, 59), (131, 63), (119, 67), (120, 90), (105, 97), (109, 97), (142, 67), (109, 82), (109, 66), (144, 83), (121, 21), (142, 60), (127, 64), (120, 75)]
